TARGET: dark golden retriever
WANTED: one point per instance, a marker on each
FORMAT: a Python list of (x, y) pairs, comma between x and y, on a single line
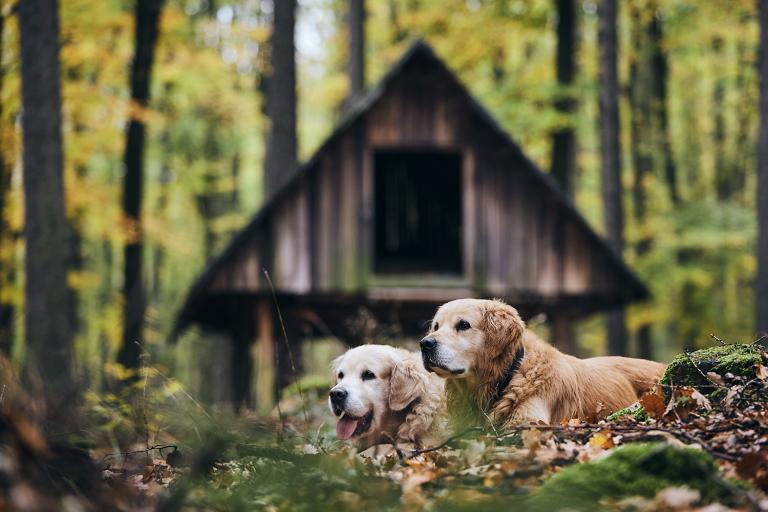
[(499, 371)]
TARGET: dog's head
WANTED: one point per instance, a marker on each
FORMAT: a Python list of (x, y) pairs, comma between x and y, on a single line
[(374, 385), (468, 338)]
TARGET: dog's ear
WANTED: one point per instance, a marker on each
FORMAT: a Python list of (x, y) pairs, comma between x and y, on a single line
[(335, 366), (503, 327), (407, 382)]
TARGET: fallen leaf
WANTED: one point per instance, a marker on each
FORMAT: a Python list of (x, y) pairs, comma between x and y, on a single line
[(678, 497), (493, 477), (602, 440), (716, 378), (749, 464), (654, 404), (532, 440), (761, 371), (701, 400)]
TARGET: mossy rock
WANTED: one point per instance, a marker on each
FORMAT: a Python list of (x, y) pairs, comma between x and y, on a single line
[(641, 469), (736, 359), (634, 411)]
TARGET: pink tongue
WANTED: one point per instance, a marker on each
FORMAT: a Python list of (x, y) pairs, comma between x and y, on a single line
[(345, 427)]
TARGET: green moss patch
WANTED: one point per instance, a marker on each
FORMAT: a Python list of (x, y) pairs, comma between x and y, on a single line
[(634, 470), (736, 359), (634, 411)]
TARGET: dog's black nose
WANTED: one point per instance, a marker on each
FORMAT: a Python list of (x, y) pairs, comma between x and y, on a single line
[(338, 395), (428, 343)]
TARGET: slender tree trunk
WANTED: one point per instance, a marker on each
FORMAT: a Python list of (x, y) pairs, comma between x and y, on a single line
[(48, 367), (660, 66), (280, 159), (722, 175), (356, 65), (7, 269), (610, 154), (145, 35), (744, 108), (642, 81), (564, 139), (761, 314)]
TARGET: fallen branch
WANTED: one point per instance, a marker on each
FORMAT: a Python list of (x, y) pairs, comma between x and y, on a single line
[(158, 447)]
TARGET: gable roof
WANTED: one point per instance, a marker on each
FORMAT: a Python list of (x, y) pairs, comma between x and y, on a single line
[(354, 112)]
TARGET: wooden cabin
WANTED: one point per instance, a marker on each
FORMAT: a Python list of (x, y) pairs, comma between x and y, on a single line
[(418, 197)]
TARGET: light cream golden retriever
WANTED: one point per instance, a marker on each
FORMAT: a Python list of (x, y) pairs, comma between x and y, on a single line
[(383, 394), (497, 370)]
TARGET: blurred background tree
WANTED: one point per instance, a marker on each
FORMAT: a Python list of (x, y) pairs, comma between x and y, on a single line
[(686, 90)]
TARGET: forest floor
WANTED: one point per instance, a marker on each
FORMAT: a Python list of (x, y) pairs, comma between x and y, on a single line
[(683, 447)]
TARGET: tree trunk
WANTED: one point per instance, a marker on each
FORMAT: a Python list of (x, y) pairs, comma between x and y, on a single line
[(761, 315), (722, 174), (356, 65), (564, 139), (610, 164), (643, 121), (7, 268), (48, 366), (280, 161), (744, 108), (145, 35), (660, 65)]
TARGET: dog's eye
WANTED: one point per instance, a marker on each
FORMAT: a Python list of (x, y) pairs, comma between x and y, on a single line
[(341, 375), (437, 327), (367, 375), (462, 325)]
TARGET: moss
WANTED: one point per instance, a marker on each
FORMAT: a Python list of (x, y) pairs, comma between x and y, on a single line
[(735, 359), (635, 411), (634, 470)]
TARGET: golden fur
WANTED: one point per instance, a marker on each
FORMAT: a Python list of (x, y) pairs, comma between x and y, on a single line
[(548, 386), (405, 399)]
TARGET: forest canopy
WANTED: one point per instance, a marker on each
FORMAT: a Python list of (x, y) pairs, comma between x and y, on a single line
[(206, 132)]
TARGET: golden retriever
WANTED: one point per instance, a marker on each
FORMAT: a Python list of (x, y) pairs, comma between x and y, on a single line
[(497, 370), (383, 394)]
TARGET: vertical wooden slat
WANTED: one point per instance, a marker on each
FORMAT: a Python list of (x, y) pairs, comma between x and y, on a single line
[(265, 356)]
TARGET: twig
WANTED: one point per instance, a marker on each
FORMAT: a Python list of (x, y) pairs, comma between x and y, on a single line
[(760, 339), (158, 447), (445, 443), (287, 348), (717, 339), (2, 394), (690, 359)]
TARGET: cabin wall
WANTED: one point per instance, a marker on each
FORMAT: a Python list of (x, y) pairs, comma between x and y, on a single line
[(528, 242), (519, 240)]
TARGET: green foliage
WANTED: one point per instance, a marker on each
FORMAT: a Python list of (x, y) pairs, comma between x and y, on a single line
[(634, 470), (206, 128), (690, 369), (635, 411)]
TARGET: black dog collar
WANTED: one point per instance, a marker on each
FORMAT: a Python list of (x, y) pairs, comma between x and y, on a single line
[(508, 374)]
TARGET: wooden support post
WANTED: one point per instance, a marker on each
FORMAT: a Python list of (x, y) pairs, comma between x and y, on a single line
[(242, 368), (265, 356), (564, 334)]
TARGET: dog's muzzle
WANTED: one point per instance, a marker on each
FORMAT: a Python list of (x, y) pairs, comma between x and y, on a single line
[(338, 397), (429, 352)]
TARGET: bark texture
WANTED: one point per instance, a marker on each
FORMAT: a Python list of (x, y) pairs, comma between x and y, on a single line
[(761, 314), (610, 161), (48, 327), (564, 138), (356, 65), (134, 296), (280, 159)]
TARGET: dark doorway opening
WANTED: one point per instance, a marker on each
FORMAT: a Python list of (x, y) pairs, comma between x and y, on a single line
[(418, 217)]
